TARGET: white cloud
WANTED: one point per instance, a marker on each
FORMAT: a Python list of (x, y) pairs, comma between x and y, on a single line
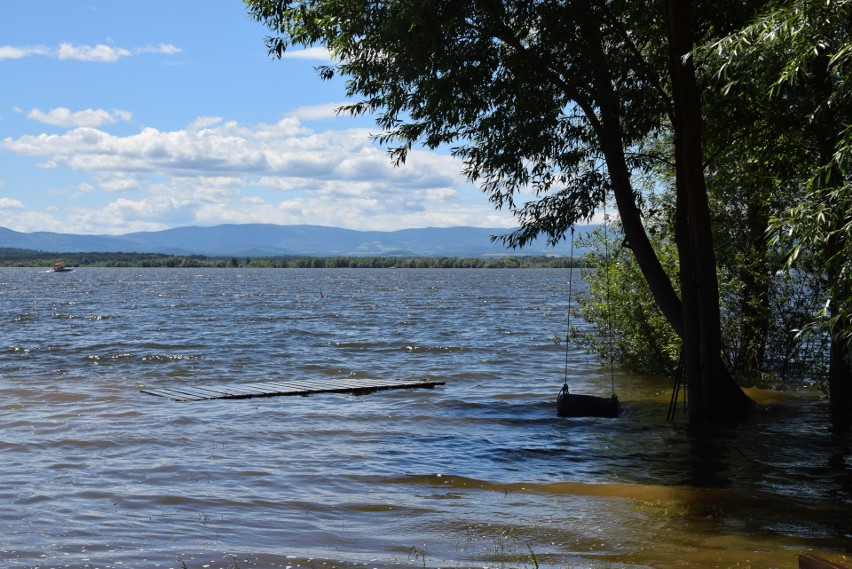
[(317, 112), (61, 116), (164, 48), (204, 122), (119, 184), (100, 52), (8, 203), (27, 221), (311, 53), (125, 116), (12, 52), (220, 171)]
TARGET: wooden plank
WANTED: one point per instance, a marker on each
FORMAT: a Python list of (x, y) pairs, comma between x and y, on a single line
[(203, 392), (343, 386), (192, 390), (326, 386), (176, 394), (240, 387), (307, 387), (340, 386), (293, 385), (232, 390), (198, 393), (284, 388), (269, 389), (169, 394)]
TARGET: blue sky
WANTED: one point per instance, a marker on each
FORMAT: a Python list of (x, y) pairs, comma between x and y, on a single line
[(120, 116)]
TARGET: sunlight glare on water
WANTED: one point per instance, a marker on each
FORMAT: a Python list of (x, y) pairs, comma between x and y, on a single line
[(478, 472)]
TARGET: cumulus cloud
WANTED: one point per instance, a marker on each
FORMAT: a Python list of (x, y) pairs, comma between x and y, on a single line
[(12, 52), (281, 149), (22, 220), (221, 171), (64, 117), (8, 203), (98, 53), (119, 184), (203, 122), (125, 116)]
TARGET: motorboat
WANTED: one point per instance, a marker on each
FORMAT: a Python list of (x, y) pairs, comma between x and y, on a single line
[(59, 267)]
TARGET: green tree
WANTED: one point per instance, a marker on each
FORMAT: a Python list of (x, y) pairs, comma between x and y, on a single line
[(626, 325), (800, 54), (550, 97)]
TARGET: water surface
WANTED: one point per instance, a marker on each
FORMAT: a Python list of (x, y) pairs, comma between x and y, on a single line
[(479, 472)]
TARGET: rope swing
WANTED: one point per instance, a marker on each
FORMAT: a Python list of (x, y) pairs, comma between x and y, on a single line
[(573, 405), (609, 335), (568, 325)]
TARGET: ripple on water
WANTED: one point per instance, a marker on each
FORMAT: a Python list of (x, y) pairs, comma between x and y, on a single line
[(479, 472)]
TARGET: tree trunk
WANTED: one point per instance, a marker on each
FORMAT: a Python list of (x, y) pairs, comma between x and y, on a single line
[(610, 134), (713, 394), (840, 382), (840, 356)]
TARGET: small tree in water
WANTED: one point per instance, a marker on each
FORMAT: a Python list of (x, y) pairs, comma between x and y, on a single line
[(624, 322), (619, 303)]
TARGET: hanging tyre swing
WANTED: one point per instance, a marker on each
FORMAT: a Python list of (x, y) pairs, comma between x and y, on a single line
[(576, 405)]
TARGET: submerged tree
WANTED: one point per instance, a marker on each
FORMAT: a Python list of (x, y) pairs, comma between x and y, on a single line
[(799, 53), (764, 313), (551, 97), (624, 323)]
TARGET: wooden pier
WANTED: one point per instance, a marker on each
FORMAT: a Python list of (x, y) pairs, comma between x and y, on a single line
[(281, 388)]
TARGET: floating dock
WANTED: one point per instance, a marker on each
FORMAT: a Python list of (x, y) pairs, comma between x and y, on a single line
[(283, 388)]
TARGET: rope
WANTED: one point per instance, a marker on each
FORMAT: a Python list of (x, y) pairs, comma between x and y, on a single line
[(608, 305), (608, 302), (568, 327), (679, 379)]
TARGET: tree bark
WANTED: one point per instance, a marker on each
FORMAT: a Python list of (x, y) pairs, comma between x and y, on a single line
[(840, 382), (713, 394), (610, 134), (840, 357)]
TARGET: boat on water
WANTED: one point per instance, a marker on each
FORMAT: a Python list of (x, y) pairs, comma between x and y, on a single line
[(59, 267)]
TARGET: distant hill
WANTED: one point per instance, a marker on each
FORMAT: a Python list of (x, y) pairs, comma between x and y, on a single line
[(266, 240)]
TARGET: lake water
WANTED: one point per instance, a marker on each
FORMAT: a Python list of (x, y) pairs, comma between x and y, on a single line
[(477, 473)]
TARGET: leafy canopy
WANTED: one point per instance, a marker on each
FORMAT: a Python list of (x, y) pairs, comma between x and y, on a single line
[(800, 51)]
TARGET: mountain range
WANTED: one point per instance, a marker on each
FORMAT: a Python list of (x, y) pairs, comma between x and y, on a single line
[(267, 240)]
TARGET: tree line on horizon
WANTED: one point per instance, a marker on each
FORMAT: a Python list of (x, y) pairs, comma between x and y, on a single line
[(25, 258)]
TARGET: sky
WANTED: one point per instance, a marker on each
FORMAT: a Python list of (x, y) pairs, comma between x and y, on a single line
[(125, 115)]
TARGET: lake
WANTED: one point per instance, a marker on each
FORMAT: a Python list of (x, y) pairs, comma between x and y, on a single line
[(479, 472)]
